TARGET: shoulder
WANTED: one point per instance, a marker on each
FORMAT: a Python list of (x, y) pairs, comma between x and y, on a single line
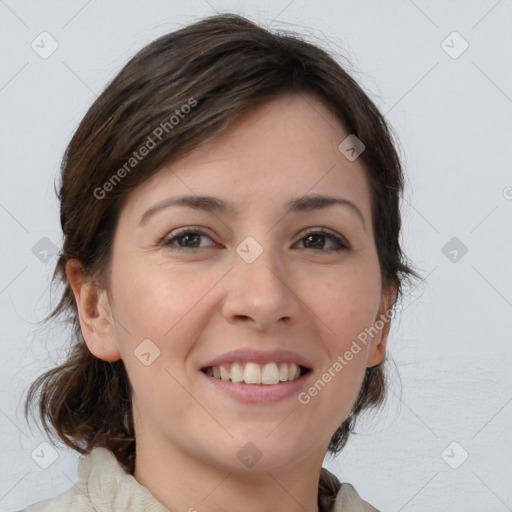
[(335, 496), (348, 500), (72, 499), (103, 485), (58, 504), (77, 497)]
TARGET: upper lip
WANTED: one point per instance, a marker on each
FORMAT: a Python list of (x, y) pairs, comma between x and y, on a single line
[(260, 357)]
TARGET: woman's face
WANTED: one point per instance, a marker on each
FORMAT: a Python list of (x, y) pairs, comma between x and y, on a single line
[(254, 276)]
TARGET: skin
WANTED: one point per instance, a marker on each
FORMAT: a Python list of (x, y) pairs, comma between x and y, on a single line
[(200, 303)]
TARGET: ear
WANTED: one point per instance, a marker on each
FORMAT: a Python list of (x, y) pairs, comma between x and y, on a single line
[(96, 320), (382, 323)]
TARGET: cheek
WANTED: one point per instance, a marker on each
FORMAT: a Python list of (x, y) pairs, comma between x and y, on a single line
[(345, 306), (353, 306), (162, 304), (332, 394), (150, 298)]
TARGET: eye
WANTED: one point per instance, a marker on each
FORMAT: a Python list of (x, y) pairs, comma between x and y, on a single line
[(187, 238), (315, 236)]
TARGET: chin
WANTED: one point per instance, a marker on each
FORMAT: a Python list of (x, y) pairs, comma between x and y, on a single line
[(265, 450)]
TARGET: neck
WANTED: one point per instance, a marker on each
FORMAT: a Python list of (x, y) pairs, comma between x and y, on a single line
[(182, 482)]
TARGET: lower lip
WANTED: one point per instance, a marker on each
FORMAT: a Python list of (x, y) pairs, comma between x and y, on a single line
[(259, 393)]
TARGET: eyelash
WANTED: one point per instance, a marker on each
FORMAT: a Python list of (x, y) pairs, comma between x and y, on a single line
[(168, 242)]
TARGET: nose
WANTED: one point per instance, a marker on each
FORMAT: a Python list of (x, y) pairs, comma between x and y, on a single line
[(260, 293)]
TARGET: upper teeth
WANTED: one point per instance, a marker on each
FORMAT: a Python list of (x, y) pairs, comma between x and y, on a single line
[(253, 373)]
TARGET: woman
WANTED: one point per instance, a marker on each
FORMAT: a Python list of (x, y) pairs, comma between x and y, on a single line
[(231, 260)]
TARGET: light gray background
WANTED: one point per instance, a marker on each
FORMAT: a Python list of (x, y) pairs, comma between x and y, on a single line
[(452, 342)]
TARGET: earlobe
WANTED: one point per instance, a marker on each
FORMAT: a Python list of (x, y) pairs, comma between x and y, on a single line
[(382, 323), (95, 314)]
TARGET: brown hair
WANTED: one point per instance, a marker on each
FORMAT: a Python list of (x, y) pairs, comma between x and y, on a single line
[(178, 92)]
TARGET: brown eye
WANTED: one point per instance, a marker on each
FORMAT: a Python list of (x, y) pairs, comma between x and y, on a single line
[(316, 240), (187, 238)]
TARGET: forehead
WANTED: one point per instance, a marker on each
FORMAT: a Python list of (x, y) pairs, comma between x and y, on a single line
[(282, 149)]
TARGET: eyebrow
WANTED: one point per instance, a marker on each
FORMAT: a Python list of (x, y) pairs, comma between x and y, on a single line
[(305, 203)]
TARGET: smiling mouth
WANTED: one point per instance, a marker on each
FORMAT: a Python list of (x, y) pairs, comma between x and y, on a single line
[(253, 373)]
